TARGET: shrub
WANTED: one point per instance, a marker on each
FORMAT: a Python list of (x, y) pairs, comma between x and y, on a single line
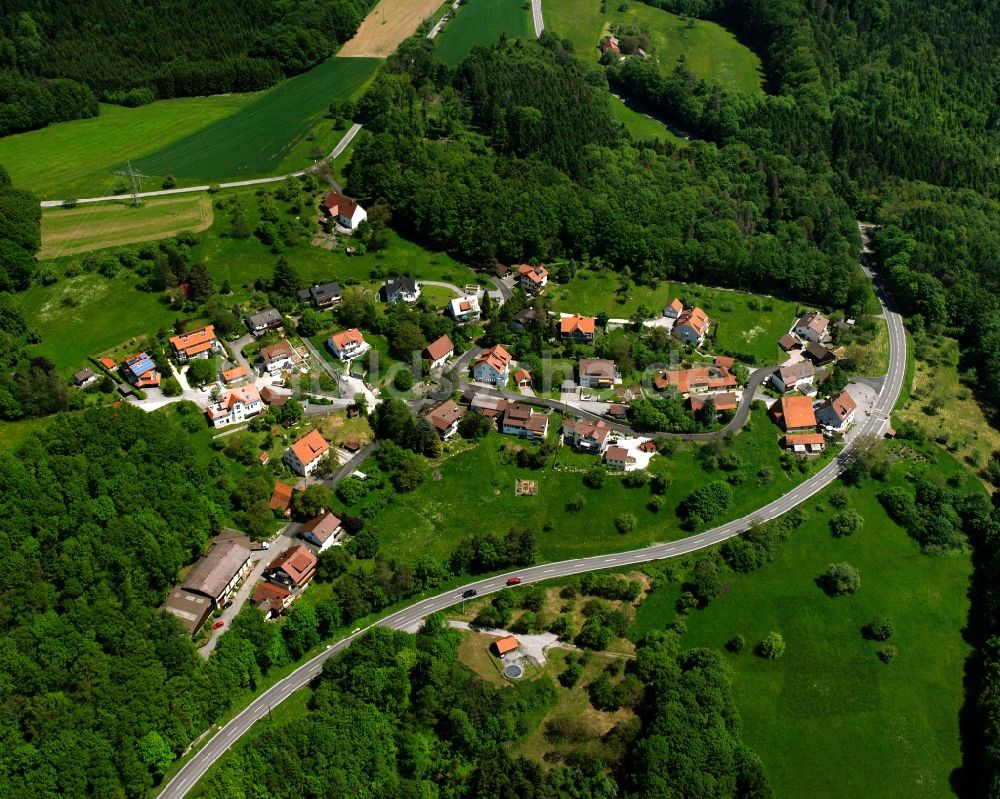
[(840, 579), (838, 499), (772, 647), (736, 644), (595, 477), (655, 504), (887, 652), (626, 522), (635, 479), (571, 675), (576, 503), (845, 523), (878, 629), (403, 381)]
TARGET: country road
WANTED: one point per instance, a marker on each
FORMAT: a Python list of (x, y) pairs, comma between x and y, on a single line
[(341, 146), (876, 424), (536, 17)]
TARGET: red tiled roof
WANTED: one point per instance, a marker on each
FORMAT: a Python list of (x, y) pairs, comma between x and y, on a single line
[(439, 348), (505, 645), (107, 363), (796, 412), (695, 318), (194, 342), (724, 361), (282, 349), (298, 562), (234, 374), (569, 325), (281, 498), (345, 337), (339, 205), (310, 447), (536, 274), (616, 454), (272, 595), (443, 416), (787, 342), (723, 402), (497, 357), (806, 439), (322, 526), (522, 376), (597, 367), (676, 305)]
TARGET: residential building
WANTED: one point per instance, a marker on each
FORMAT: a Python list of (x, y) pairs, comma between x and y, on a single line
[(837, 412), (726, 401), (235, 375), (293, 568), (503, 646), (597, 373), (818, 354), (237, 406), (277, 357), (107, 363), (306, 454), (445, 417), (140, 371), (493, 366), (798, 376), (616, 457), (271, 599), (587, 435), (610, 44), (192, 609), (523, 378), (533, 278), (812, 327), (465, 309), (84, 376), (261, 322), (400, 289), (274, 396), (344, 209), (490, 407), (674, 309), (323, 295), (617, 410), (696, 378), (347, 344), (439, 351), (795, 414), (692, 326), (520, 420), (219, 572), (321, 531), (281, 499), (804, 442), (579, 328), (200, 343), (788, 342)]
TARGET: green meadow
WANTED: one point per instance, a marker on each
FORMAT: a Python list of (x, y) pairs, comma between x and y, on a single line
[(482, 22)]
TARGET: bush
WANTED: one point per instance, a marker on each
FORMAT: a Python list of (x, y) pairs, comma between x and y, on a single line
[(736, 644), (170, 387), (626, 522), (403, 381), (887, 652), (838, 499), (840, 579), (635, 479), (845, 523), (878, 629), (576, 503), (772, 647), (571, 675), (595, 477)]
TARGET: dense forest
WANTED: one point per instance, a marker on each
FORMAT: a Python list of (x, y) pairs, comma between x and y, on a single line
[(58, 59)]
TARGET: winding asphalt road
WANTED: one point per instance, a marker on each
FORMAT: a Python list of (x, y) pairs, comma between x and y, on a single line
[(876, 424)]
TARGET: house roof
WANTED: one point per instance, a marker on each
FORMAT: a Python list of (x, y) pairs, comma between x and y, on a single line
[(796, 412), (346, 337), (790, 375), (496, 357), (444, 415), (339, 204), (522, 376), (587, 428), (138, 364), (842, 404), (297, 562), (597, 367), (616, 454), (191, 609), (194, 342), (818, 352), (676, 305), (723, 402), (83, 375), (724, 361), (505, 645), (281, 498), (813, 321), (536, 274), (685, 380), (310, 447), (273, 396), (265, 318), (617, 409), (234, 374), (524, 316), (322, 526), (439, 348), (464, 305), (214, 572), (571, 325), (107, 363), (403, 284), (487, 405), (520, 415), (321, 291), (695, 318), (787, 342), (277, 351), (270, 595), (805, 439)]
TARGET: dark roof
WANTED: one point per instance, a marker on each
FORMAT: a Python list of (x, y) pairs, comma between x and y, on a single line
[(265, 318), (217, 568), (83, 375), (191, 609), (787, 342), (395, 284), (818, 353)]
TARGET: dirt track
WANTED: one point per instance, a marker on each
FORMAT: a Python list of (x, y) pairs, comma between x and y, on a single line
[(388, 24)]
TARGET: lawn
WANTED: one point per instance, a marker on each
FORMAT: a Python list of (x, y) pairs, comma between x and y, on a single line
[(482, 22), (475, 494), (75, 159), (641, 126), (13, 434), (829, 719), (255, 140), (711, 52), (69, 231), (741, 322)]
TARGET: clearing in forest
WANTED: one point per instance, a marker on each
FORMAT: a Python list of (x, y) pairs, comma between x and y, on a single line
[(68, 231), (482, 22), (386, 26)]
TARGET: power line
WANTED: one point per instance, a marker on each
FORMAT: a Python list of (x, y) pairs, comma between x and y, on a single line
[(134, 182)]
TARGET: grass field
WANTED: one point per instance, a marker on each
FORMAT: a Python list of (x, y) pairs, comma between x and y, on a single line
[(741, 322), (386, 26), (434, 517), (641, 126), (75, 159), (711, 51), (829, 719), (255, 140), (482, 22), (68, 231)]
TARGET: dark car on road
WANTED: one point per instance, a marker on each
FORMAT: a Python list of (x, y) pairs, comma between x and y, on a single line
[(469, 592)]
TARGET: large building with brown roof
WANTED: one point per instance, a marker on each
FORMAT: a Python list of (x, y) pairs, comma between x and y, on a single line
[(445, 417), (277, 357), (533, 278), (587, 435), (347, 344), (281, 499), (293, 568), (795, 414), (798, 375), (306, 454), (271, 599), (197, 344), (692, 326), (520, 419), (439, 351), (192, 609), (493, 366), (837, 412), (697, 378), (218, 573), (577, 327), (321, 531), (597, 373)]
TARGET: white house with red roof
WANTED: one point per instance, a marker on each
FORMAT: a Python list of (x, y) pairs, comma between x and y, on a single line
[(347, 344), (444, 417), (237, 406), (587, 435), (673, 309), (439, 351), (465, 309), (812, 327), (616, 457), (345, 210), (277, 357), (692, 326), (307, 453), (493, 366), (533, 278), (200, 343), (321, 531), (837, 412)]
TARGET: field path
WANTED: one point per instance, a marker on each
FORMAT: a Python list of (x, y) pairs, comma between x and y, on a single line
[(341, 146), (536, 17), (386, 26)]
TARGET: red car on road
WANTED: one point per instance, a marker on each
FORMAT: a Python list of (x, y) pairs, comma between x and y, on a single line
[(514, 581), (218, 624)]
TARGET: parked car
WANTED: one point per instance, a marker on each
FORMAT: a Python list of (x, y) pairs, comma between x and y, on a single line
[(229, 604), (514, 581), (469, 593), (218, 624)]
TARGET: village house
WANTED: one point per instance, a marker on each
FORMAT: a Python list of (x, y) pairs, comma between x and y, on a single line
[(597, 373), (617, 411), (293, 568), (616, 457), (200, 343), (726, 401), (464, 309), (445, 418), (610, 44), (696, 378), (490, 407), (520, 420), (533, 278), (795, 414), (219, 572), (281, 499), (233, 376), (505, 645), (271, 599), (400, 289), (237, 406), (523, 319), (140, 371), (347, 344), (804, 443), (84, 377), (275, 396), (837, 412), (692, 326), (263, 321), (673, 309), (587, 435), (818, 354), (788, 342), (439, 351), (323, 295), (344, 209), (493, 366), (812, 327), (321, 531), (191, 609), (576, 327), (277, 357), (522, 377), (797, 376), (306, 454)]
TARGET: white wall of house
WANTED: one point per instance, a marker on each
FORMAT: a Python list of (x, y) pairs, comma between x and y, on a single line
[(304, 469)]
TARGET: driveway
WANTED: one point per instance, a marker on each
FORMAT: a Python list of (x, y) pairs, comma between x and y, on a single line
[(532, 646)]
